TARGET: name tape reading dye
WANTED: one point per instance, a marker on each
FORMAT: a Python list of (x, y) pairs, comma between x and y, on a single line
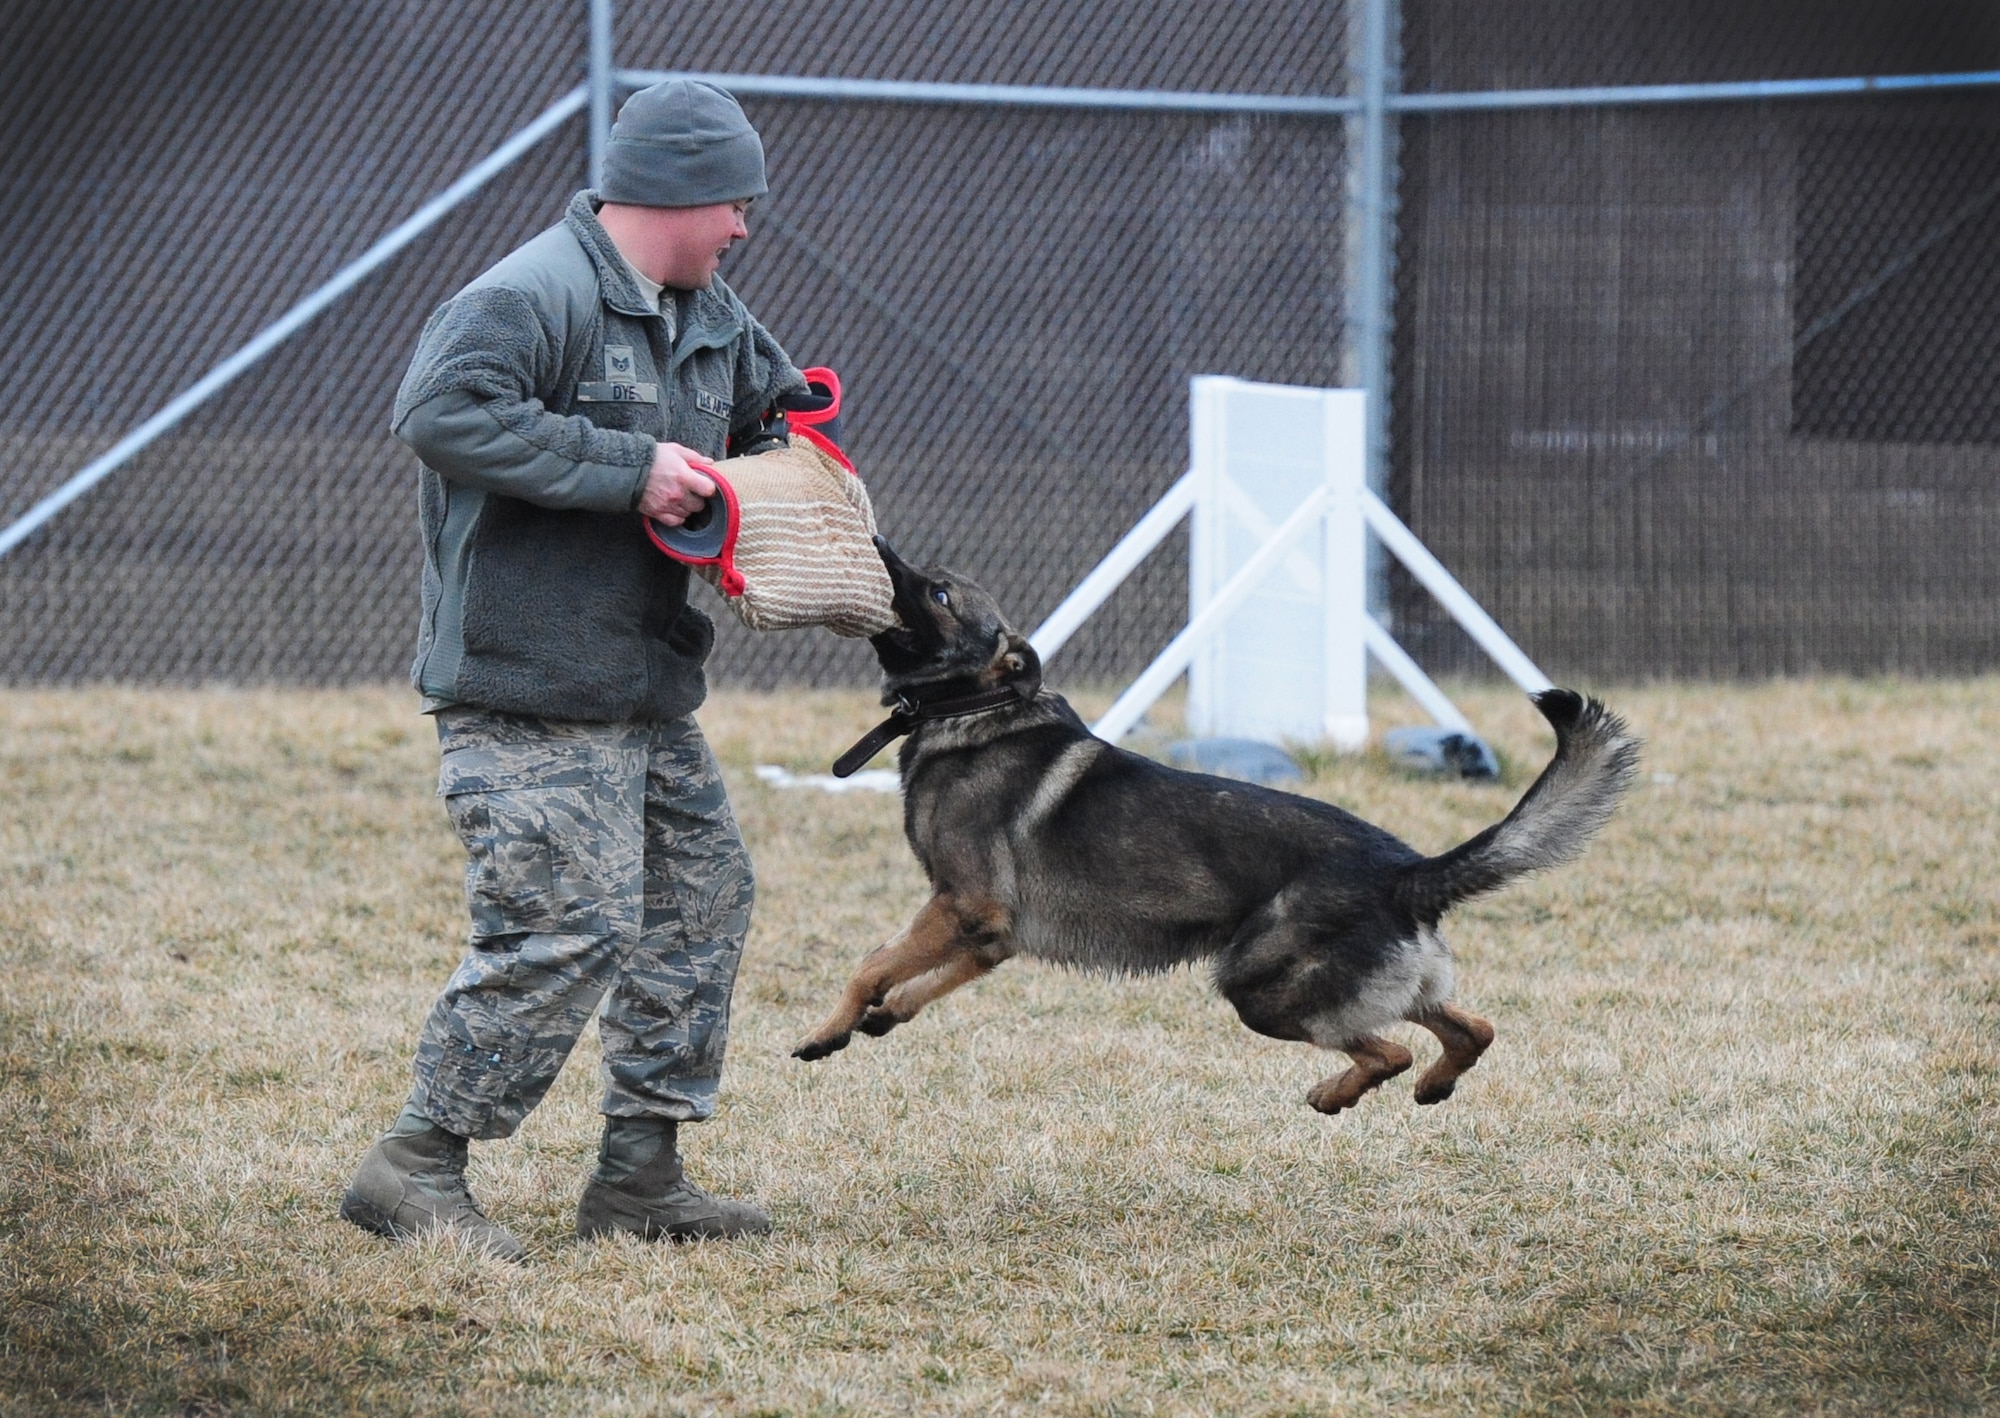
[(616, 392)]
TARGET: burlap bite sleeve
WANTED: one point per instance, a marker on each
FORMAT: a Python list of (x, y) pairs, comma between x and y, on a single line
[(805, 545)]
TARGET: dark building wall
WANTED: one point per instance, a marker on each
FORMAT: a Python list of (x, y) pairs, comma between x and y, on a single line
[(1707, 391), (1704, 390)]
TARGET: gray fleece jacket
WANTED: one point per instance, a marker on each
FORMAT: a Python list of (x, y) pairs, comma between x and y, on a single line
[(534, 400)]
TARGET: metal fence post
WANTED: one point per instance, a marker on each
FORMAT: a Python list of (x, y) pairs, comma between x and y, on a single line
[(1374, 65), (601, 74)]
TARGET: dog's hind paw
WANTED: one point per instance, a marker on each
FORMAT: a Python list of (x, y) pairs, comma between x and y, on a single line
[(819, 1048), (877, 1022), (1375, 1061), (1326, 1097), (1436, 1092)]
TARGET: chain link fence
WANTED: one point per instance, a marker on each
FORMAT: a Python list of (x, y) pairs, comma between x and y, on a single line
[(1678, 390)]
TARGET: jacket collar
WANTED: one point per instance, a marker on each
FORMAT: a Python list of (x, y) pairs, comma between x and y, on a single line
[(699, 311), (621, 292)]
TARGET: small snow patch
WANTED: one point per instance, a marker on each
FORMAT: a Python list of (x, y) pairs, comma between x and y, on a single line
[(868, 780)]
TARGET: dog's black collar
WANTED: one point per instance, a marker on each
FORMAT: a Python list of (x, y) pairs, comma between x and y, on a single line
[(909, 713)]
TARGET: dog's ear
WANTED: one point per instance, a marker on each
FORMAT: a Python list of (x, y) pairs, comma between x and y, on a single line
[(1019, 664)]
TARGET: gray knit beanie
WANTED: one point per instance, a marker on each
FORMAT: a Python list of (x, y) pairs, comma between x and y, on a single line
[(682, 143)]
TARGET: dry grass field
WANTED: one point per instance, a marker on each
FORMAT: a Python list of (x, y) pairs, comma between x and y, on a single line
[(1734, 1151)]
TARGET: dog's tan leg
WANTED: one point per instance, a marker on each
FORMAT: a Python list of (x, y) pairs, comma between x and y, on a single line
[(1464, 1036), (901, 1004), (1375, 1061), (935, 935)]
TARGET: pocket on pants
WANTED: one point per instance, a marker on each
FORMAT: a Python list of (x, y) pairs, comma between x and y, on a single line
[(474, 1076), (529, 820)]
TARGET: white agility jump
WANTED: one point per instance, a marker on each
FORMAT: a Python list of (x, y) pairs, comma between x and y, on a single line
[(1277, 485)]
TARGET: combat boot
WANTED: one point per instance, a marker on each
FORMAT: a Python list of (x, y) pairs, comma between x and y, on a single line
[(640, 1189), (412, 1184)]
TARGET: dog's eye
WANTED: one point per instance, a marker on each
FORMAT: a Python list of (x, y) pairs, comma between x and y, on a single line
[(941, 595)]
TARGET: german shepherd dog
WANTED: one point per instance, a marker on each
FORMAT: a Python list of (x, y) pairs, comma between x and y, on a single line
[(1040, 839)]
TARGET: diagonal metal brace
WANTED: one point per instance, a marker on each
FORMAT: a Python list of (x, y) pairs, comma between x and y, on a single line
[(292, 321)]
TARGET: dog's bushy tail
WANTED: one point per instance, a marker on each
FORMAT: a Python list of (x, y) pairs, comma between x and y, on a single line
[(1596, 757)]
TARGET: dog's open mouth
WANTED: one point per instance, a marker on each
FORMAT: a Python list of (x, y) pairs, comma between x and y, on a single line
[(903, 652)]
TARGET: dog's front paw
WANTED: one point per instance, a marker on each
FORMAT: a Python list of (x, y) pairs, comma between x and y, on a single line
[(819, 1048), (1428, 1092), (877, 1022)]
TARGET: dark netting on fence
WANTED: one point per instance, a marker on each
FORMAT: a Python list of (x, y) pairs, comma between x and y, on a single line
[(1015, 299), (1713, 389), (1707, 392), (1459, 45), (1678, 390), (175, 176)]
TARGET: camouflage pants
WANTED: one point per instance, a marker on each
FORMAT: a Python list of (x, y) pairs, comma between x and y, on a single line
[(604, 867)]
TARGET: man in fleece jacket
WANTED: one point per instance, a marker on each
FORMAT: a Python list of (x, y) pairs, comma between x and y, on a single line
[(578, 386)]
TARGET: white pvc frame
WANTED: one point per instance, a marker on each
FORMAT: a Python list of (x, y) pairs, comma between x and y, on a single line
[(1351, 632)]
